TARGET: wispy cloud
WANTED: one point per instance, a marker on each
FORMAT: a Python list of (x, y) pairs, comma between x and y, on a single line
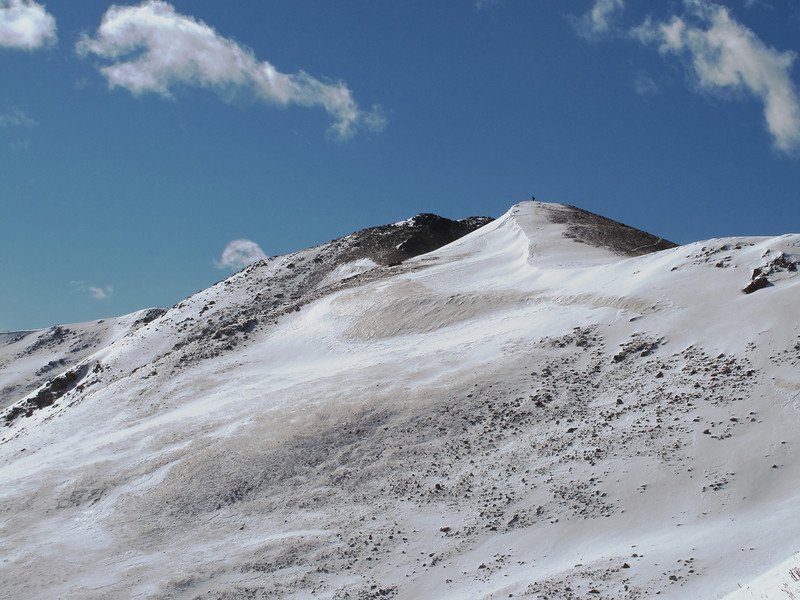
[(758, 3), (103, 293), (724, 55), (19, 146), (94, 292), (488, 4), (152, 48), (238, 254), (26, 25), (596, 22), (644, 84), (16, 118)]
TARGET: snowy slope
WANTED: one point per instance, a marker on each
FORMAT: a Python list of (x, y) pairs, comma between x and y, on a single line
[(552, 406), (28, 359)]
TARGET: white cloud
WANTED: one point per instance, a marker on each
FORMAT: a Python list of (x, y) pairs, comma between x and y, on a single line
[(103, 293), (240, 253), (596, 22), (16, 118), (724, 55), (153, 48), (644, 84), (95, 293), (26, 25)]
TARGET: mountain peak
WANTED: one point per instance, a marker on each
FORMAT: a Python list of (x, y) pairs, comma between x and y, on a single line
[(589, 228), (539, 393)]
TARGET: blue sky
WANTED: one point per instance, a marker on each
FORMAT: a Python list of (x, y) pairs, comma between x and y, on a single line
[(138, 141)]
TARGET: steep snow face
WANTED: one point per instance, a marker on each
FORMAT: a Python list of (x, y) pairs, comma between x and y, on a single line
[(539, 408)]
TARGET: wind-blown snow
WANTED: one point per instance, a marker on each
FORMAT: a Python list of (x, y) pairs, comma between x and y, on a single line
[(519, 412)]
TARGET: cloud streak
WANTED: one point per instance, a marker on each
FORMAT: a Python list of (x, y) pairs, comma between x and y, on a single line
[(16, 118), (154, 49), (26, 25), (238, 254), (94, 292), (103, 293), (724, 55)]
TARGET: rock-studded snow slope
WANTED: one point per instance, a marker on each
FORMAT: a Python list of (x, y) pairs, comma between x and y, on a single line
[(28, 359), (537, 409)]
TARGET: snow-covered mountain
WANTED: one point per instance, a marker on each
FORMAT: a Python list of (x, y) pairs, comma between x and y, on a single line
[(554, 405)]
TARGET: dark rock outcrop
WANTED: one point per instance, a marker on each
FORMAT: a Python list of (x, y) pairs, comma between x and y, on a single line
[(393, 244), (589, 228), (52, 391), (758, 283)]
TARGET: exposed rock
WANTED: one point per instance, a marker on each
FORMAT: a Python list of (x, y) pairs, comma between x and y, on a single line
[(589, 228), (51, 392), (759, 283), (392, 244), (150, 316)]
